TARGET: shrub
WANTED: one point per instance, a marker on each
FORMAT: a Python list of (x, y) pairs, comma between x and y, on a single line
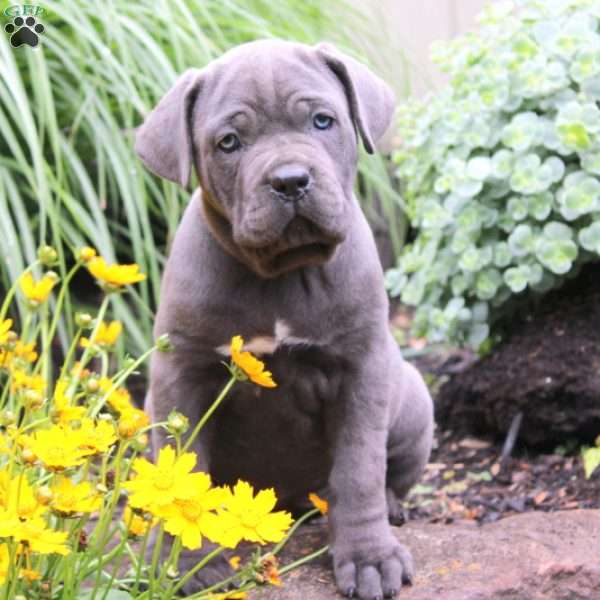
[(78, 498), (501, 169)]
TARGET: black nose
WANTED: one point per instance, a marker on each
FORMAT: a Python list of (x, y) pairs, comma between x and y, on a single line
[(290, 180)]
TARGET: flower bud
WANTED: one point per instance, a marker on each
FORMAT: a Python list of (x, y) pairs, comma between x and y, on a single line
[(92, 385), (7, 417), (163, 343), (28, 456), (84, 320), (86, 254), (47, 255), (44, 495), (172, 572), (52, 275), (33, 400), (177, 423)]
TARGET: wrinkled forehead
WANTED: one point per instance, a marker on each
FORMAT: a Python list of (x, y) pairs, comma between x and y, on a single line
[(273, 84)]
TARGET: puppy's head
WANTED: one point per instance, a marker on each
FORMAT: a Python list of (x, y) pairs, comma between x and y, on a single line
[(271, 128)]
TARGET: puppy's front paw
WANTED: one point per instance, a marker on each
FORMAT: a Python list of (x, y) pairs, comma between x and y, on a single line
[(373, 570)]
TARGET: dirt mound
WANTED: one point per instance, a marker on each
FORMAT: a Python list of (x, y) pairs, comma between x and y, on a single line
[(548, 368)]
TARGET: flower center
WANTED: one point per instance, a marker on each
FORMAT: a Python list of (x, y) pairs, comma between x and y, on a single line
[(191, 511), (250, 519), (163, 479)]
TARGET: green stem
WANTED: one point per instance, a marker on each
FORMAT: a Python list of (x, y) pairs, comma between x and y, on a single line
[(304, 559), (208, 413), (174, 589), (295, 526), (120, 379), (12, 291), (86, 354), (60, 299)]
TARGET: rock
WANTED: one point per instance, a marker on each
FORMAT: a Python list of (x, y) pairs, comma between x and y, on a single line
[(533, 556), (547, 367)]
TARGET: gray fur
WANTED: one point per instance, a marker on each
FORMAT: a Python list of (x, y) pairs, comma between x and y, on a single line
[(298, 278)]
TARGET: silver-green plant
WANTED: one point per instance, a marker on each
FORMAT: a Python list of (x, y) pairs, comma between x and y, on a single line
[(501, 170)]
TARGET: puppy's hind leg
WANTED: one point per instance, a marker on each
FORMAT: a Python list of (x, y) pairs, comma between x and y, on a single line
[(410, 435)]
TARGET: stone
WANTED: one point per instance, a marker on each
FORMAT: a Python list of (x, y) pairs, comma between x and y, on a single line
[(532, 556)]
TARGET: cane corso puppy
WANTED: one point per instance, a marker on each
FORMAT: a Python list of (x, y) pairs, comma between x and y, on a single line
[(274, 246)]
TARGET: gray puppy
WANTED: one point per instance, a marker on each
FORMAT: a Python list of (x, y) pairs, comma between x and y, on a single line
[(276, 248)]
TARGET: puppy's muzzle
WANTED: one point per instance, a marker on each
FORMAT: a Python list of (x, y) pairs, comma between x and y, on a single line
[(290, 181)]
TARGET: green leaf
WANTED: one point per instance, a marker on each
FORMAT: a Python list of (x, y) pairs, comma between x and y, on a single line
[(574, 135), (521, 240), (591, 460), (589, 237), (517, 278), (556, 255)]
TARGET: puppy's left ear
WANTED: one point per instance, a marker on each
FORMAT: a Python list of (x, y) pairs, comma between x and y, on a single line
[(371, 100), (164, 140)]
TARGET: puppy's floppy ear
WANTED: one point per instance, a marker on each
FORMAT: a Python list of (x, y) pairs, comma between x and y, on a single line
[(371, 100), (164, 140)]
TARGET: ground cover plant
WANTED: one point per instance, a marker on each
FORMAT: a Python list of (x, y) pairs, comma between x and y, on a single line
[(69, 107), (501, 169), (79, 497)]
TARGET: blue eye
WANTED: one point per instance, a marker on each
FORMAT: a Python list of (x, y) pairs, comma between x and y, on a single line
[(230, 143), (322, 121)]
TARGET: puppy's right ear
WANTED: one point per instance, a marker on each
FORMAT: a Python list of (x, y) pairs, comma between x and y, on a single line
[(164, 140)]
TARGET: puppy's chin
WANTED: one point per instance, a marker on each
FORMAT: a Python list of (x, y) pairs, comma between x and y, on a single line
[(302, 244)]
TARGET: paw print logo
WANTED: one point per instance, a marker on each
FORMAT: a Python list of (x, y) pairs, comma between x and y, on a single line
[(24, 31)]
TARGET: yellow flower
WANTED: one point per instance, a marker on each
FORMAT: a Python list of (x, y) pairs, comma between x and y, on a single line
[(58, 447), (119, 400), (132, 421), (30, 574), (245, 517), (191, 518), (37, 292), (319, 503), (17, 497), (70, 498), (114, 276), (23, 381), (63, 409), (234, 562), (4, 562), (136, 524), (170, 479), (249, 364), (5, 331), (106, 336), (40, 538), (96, 437), (25, 351)]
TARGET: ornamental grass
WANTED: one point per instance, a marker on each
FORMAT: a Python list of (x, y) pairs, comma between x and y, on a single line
[(80, 496)]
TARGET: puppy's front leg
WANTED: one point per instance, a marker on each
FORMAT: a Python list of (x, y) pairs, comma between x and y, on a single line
[(368, 560)]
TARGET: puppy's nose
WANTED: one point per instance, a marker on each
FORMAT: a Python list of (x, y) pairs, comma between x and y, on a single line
[(290, 180)]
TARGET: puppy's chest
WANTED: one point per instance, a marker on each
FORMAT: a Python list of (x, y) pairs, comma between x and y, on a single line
[(306, 369)]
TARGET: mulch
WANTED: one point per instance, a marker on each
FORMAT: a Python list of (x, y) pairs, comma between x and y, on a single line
[(466, 479)]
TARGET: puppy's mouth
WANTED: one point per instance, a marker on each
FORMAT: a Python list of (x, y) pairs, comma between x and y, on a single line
[(302, 244)]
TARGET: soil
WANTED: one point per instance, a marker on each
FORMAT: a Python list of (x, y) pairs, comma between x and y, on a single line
[(467, 478), (547, 368)]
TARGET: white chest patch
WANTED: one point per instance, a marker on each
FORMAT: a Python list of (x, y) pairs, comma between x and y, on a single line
[(264, 344)]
